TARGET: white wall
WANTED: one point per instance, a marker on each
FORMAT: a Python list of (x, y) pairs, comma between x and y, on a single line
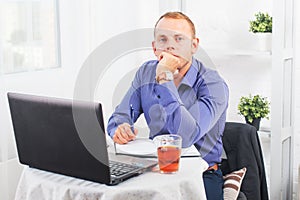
[(52, 82), (85, 24), (297, 98), (222, 27)]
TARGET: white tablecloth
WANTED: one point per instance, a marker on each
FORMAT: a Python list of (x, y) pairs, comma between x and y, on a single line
[(187, 184)]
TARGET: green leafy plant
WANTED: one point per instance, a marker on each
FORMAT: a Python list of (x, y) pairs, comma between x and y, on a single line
[(253, 107), (261, 24)]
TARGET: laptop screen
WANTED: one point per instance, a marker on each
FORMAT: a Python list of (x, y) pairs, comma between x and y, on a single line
[(60, 135)]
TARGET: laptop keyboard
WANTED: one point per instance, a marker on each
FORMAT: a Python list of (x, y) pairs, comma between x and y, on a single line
[(118, 168)]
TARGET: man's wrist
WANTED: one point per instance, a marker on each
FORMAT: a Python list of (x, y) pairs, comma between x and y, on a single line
[(164, 77)]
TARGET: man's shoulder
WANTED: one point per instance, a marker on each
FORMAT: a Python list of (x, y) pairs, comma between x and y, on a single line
[(150, 63), (206, 71), (148, 66), (201, 67), (146, 72), (208, 74)]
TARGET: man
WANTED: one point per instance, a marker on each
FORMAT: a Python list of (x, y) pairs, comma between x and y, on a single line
[(177, 95)]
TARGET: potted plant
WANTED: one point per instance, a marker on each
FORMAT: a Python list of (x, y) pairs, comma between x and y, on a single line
[(262, 28), (253, 108)]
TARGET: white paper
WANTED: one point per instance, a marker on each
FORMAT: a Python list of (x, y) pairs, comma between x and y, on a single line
[(139, 146), (146, 147)]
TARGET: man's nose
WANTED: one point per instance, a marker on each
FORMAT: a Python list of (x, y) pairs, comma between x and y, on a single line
[(170, 45), (170, 48)]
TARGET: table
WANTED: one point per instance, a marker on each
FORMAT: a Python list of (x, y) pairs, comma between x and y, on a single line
[(187, 184)]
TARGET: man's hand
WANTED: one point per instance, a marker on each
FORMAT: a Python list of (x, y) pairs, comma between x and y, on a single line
[(124, 134), (167, 62)]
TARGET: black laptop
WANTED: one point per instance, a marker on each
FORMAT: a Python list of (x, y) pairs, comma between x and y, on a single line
[(68, 137)]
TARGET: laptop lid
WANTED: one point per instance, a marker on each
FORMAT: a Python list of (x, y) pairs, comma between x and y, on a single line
[(62, 136)]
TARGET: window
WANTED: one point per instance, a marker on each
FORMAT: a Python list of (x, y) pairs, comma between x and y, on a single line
[(29, 37)]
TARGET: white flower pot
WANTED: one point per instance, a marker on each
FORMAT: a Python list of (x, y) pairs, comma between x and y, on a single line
[(264, 41)]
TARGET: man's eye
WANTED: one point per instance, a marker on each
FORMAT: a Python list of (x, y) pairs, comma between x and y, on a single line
[(179, 38), (162, 40)]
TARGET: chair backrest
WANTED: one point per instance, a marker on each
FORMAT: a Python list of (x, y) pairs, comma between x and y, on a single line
[(242, 147)]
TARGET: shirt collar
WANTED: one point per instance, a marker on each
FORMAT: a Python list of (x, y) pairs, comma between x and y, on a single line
[(191, 75)]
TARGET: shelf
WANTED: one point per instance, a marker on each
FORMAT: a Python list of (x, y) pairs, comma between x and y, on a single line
[(237, 52)]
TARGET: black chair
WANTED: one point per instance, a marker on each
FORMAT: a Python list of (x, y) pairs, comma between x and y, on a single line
[(242, 147)]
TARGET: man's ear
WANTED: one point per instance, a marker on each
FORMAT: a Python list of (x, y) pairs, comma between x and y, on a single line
[(195, 44), (154, 49)]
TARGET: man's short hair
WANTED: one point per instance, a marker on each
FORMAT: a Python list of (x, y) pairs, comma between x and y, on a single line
[(178, 15)]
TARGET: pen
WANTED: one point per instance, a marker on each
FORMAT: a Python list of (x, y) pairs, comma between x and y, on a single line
[(132, 118)]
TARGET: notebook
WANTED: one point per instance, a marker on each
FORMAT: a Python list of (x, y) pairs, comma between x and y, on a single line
[(68, 137)]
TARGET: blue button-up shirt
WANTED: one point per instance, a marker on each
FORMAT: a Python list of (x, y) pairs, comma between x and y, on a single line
[(195, 110)]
